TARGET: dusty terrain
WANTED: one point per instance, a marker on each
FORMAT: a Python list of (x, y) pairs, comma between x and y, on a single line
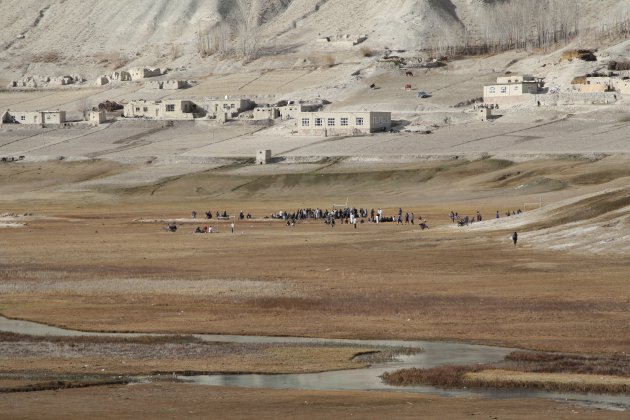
[(177, 400), (82, 216), (90, 252), (108, 273)]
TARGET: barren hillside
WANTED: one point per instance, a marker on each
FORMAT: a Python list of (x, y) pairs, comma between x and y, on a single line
[(52, 34)]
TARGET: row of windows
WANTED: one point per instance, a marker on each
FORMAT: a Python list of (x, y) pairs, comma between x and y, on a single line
[(169, 108), (23, 117), (332, 122), (493, 89)]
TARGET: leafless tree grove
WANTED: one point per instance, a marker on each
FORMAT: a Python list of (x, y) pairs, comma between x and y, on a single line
[(238, 34), (526, 24)]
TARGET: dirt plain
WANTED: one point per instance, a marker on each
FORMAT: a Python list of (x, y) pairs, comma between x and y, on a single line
[(99, 259), (108, 273), (180, 400), (85, 247)]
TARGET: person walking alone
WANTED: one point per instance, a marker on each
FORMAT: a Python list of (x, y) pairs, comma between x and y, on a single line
[(514, 238)]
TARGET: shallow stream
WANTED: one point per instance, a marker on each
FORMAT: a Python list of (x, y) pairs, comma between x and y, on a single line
[(366, 379)]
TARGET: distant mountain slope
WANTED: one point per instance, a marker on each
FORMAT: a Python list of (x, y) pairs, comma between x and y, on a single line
[(77, 28)]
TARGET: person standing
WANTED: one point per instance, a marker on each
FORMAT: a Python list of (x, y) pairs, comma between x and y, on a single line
[(514, 238), (232, 226), (413, 217)]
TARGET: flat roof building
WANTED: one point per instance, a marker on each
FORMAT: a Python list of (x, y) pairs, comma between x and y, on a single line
[(33, 117), (342, 123), (163, 110), (509, 89), (140, 73), (232, 107)]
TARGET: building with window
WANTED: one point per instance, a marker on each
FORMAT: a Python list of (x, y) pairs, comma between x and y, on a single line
[(163, 110), (511, 87), (232, 107), (33, 117), (342, 123), (140, 73)]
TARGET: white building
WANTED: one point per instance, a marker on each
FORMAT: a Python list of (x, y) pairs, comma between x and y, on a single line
[(509, 89), (263, 157), (97, 117), (163, 110), (343, 123), (33, 117)]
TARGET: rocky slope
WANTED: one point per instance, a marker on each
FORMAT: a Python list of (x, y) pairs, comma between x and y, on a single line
[(109, 34)]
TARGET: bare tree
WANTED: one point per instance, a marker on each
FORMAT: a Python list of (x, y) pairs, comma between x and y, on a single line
[(508, 25), (214, 39), (83, 106), (247, 29)]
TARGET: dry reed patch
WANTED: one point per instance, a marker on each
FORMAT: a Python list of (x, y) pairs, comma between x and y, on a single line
[(499, 378), (63, 384), (528, 370), (448, 376), (609, 365)]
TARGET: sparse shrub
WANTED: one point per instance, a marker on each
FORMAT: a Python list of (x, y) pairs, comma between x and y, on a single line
[(618, 65), (588, 57), (48, 57), (366, 51), (585, 55)]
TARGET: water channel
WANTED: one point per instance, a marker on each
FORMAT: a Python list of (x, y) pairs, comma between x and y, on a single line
[(365, 379)]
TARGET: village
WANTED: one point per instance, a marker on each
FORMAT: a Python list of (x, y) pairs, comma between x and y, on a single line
[(315, 209), (314, 116)]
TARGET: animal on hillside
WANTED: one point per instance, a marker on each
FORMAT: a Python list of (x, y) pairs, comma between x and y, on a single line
[(409, 74), (372, 86)]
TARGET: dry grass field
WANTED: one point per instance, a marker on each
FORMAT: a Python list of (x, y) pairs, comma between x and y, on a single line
[(92, 254), (180, 400), (104, 262)]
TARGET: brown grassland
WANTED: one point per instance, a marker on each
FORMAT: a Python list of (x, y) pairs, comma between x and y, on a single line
[(101, 261), (180, 400)]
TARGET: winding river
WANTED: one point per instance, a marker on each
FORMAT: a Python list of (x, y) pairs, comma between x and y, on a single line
[(366, 379)]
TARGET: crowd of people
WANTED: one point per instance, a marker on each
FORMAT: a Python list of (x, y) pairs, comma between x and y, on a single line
[(351, 216), (348, 216), (467, 220)]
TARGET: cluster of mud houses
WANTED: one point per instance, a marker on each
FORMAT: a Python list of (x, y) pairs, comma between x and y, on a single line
[(510, 90)]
